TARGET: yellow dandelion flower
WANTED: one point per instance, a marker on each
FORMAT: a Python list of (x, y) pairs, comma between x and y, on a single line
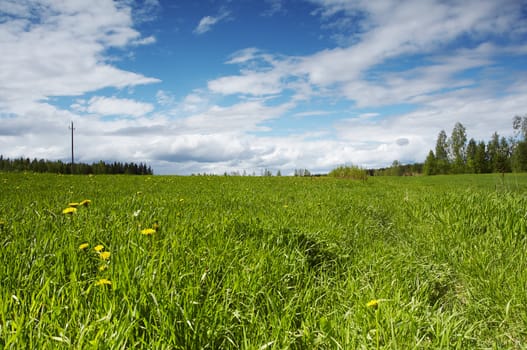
[(103, 282), (103, 267), (148, 231), (73, 205), (83, 246), (85, 202), (98, 248), (69, 210), (105, 255), (373, 303)]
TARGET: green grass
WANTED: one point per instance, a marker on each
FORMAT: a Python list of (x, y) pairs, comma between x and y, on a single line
[(264, 262)]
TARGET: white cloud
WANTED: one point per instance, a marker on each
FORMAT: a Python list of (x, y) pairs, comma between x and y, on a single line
[(164, 98), (251, 83), (206, 23), (275, 6), (102, 105), (59, 50)]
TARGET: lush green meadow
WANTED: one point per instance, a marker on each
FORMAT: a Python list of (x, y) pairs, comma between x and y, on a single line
[(263, 262)]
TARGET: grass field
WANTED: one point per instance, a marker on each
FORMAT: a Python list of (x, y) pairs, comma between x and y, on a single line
[(263, 263)]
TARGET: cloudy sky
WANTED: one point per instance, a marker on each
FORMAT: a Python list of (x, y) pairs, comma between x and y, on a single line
[(244, 85)]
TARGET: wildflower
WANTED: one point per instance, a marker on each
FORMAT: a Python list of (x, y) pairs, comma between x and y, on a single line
[(73, 205), (85, 202), (103, 267), (83, 246), (373, 303), (69, 210), (98, 248), (148, 231), (105, 255), (103, 282)]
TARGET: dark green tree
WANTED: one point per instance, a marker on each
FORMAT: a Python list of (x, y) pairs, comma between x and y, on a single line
[(470, 165), (481, 159), (430, 166)]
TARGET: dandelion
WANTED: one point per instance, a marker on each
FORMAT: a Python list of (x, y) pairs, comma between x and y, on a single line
[(98, 248), (69, 210), (373, 303), (73, 205), (148, 231), (85, 202), (83, 246), (103, 282), (105, 255)]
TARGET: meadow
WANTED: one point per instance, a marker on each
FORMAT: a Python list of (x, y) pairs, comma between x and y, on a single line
[(166, 262)]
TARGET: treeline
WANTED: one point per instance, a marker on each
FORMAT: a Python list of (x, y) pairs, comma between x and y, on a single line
[(454, 155), (59, 167), (398, 169)]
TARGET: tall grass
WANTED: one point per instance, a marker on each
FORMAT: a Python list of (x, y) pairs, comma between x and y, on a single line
[(263, 263)]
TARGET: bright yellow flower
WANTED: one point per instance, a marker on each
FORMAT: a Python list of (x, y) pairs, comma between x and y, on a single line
[(373, 303), (69, 210), (148, 231), (103, 282), (85, 202), (84, 246), (105, 255), (98, 247), (73, 205)]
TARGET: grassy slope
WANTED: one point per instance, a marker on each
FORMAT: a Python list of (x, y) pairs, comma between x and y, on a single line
[(252, 263)]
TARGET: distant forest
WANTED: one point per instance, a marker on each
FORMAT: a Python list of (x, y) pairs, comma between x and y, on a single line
[(59, 167), (454, 155)]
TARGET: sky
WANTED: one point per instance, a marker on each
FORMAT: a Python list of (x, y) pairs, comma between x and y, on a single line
[(216, 86)]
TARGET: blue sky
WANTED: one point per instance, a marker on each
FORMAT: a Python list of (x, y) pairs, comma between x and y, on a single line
[(243, 85)]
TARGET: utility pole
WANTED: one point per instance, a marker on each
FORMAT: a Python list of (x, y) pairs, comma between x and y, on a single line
[(72, 159)]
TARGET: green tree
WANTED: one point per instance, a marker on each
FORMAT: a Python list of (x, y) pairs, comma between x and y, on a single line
[(519, 149), (457, 145), (470, 165), (441, 153), (481, 159), (492, 152), (519, 157), (430, 166)]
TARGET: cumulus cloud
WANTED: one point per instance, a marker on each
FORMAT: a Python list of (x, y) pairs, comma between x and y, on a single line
[(59, 50)]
